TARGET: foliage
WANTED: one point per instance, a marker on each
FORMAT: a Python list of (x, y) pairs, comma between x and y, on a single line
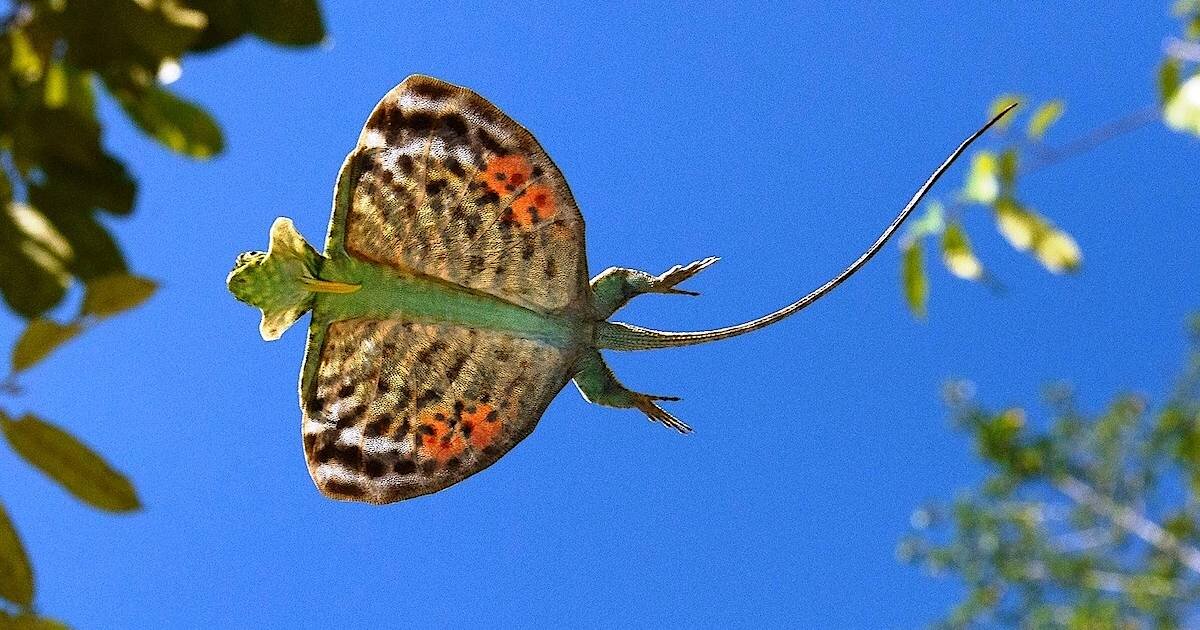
[(1083, 522), (59, 185), (994, 175)]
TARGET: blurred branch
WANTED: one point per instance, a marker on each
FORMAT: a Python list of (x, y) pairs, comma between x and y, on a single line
[(1130, 520)]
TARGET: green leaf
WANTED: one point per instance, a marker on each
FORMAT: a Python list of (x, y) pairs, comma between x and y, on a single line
[(113, 294), (1026, 230), (32, 275), (1000, 104), (1044, 117), (57, 92), (983, 182), (1168, 80), (24, 60), (957, 253), (28, 621), (40, 338), (931, 222), (1007, 170), (16, 575), (71, 463), (1182, 111), (916, 283), (287, 22), (177, 124)]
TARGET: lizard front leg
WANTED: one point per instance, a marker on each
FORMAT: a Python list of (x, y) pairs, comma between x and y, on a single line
[(615, 286)]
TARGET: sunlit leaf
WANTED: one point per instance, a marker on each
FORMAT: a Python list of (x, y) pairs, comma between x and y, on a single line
[(174, 122), (1058, 252), (24, 61), (1044, 117), (71, 463), (1001, 103), (57, 91), (16, 575), (113, 294), (32, 279), (931, 222), (916, 283), (1182, 111), (983, 182), (40, 338), (1026, 230), (957, 253)]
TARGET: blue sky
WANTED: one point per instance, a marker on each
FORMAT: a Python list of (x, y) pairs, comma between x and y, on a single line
[(782, 140)]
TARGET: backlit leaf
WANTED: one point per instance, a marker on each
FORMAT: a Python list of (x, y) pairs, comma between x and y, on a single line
[(931, 222), (175, 123), (916, 283), (71, 463), (16, 575), (1046, 115), (983, 182), (23, 61), (957, 253), (113, 294), (1000, 104), (1182, 111), (1026, 230), (40, 338)]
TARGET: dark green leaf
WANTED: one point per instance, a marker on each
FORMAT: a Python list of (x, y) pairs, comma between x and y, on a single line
[(174, 122), (119, 35), (916, 284), (16, 575), (1168, 80), (113, 294), (31, 279), (105, 184), (30, 622), (40, 338), (288, 22), (71, 463)]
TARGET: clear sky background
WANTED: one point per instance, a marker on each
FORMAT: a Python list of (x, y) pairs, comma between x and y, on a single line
[(783, 140)]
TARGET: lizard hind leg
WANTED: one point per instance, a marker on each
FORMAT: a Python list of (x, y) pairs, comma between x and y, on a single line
[(615, 286), (599, 385)]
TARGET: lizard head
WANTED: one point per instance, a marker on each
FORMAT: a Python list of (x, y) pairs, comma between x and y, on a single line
[(276, 281)]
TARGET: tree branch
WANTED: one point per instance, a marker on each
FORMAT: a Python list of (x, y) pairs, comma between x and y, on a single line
[(1130, 520)]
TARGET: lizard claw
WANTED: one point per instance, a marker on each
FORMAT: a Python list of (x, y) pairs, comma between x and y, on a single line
[(666, 281)]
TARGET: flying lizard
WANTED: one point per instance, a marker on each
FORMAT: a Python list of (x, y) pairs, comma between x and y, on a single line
[(452, 301)]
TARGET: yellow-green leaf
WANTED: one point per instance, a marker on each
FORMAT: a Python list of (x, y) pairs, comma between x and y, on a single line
[(16, 575), (1182, 111), (916, 283), (931, 222), (115, 293), (1057, 251), (40, 338), (1006, 169), (57, 92), (957, 253), (24, 60), (1026, 230), (983, 182), (177, 124), (1046, 115), (1000, 104), (71, 463)]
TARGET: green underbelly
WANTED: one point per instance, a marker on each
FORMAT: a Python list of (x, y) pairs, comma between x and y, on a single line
[(388, 293)]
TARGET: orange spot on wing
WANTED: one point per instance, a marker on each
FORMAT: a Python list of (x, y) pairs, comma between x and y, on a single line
[(506, 174), (536, 204), (485, 425), (439, 441)]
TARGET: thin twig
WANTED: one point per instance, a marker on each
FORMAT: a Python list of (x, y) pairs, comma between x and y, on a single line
[(1125, 124)]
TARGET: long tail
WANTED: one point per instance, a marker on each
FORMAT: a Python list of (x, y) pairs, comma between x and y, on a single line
[(621, 336)]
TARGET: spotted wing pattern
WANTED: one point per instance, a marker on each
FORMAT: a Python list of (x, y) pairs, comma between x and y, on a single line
[(449, 186), (395, 410)]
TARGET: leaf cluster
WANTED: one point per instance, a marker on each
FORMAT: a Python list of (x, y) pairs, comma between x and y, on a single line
[(1083, 522)]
